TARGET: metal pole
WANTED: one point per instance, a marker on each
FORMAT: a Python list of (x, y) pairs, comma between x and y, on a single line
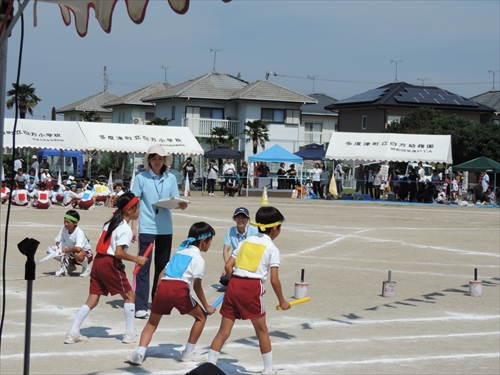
[(3, 77), (27, 329)]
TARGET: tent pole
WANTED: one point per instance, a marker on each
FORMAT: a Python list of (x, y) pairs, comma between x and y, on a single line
[(3, 77)]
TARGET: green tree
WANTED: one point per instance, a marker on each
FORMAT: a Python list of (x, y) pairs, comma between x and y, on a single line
[(158, 121), (219, 136), (257, 133), (468, 139), (90, 116), (26, 98)]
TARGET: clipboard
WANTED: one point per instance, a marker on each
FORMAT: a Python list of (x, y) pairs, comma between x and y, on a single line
[(170, 203)]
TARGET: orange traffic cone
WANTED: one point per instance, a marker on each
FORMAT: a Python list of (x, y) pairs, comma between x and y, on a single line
[(264, 200)]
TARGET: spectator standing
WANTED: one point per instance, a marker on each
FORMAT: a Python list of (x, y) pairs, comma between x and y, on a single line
[(34, 163), (212, 175), (44, 164), (228, 170), (412, 178), (243, 174), (360, 179), (316, 179), (485, 182), (376, 182), (292, 176), (368, 181), (189, 172), (338, 174), (325, 179), (281, 176), (18, 164)]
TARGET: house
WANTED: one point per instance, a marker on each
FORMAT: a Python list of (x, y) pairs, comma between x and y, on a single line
[(130, 109), (222, 100), (317, 123), (92, 103), (373, 110), (492, 100)]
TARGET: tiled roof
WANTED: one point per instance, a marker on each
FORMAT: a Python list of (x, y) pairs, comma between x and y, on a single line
[(319, 107), (399, 94), (490, 98), (209, 86), (269, 91), (134, 98), (92, 103)]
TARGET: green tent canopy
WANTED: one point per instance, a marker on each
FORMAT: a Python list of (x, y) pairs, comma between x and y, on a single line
[(481, 164)]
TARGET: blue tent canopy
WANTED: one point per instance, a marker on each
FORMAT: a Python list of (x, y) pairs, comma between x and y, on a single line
[(276, 154), (76, 158), (312, 151)]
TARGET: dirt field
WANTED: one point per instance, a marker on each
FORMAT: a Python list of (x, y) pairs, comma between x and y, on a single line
[(431, 326)]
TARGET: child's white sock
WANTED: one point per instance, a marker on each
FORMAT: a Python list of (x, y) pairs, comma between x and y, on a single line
[(129, 311), (268, 360), (81, 315), (189, 348), (84, 263), (213, 356), (141, 350)]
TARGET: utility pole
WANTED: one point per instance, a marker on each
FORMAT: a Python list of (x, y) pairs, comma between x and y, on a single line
[(215, 56), (313, 78), (106, 81), (494, 72), (396, 62), (165, 68), (423, 80)]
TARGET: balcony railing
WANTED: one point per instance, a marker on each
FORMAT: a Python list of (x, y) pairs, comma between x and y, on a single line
[(312, 137), (202, 127)]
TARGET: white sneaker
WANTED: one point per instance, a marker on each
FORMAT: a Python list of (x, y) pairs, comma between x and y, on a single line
[(193, 357), (85, 271), (135, 359), (269, 372), (73, 339), (130, 338), (62, 272), (71, 268), (142, 314)]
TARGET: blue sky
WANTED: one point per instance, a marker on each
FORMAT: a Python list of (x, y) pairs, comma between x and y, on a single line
[(347, 45)]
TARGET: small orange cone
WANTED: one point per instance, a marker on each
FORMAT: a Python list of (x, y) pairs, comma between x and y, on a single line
[(264, 200)]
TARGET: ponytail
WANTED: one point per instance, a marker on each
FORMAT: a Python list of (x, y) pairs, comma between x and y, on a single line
[(122, 205)]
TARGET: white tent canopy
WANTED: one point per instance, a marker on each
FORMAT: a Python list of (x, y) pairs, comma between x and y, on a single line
[(390, 147), (92, 136)]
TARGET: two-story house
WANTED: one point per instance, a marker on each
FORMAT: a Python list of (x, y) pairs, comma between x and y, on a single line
[(317, 124), (492, 100), (94, 102), (372, 110), (130, 109), (222, 100)]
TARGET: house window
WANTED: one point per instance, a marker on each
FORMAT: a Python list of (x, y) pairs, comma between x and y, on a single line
[(149, 116), (292, 116), (72, 118), (172, 117), (213, 113), (273, 115), (496, 121), (192, 112), (313, 127), (364, 122)]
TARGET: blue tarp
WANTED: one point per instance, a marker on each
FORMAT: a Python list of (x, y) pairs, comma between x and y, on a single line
[(76, 156), (276, 154)]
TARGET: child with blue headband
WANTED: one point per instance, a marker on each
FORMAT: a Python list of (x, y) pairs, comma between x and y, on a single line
[(186, 268)]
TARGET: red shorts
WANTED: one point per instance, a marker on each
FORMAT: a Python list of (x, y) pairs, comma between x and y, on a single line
[(108, 276), (41, 205), (59, 197), (85, 205), (243, 299), (101, 198), (170, 294)]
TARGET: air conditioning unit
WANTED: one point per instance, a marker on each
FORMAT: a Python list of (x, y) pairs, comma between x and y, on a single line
[(137, 121)]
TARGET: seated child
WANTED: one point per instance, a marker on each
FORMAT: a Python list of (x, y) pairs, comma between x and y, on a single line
[(113, 197), (86, 199), (5, 195), (184, 270), (441, 198), (72, 247), (20, 197), (41, 197)]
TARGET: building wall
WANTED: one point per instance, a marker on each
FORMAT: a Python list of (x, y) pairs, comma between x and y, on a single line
[(75, 116), (329, 123)]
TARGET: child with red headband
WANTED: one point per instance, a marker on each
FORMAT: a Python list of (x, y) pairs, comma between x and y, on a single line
[(108, 272)]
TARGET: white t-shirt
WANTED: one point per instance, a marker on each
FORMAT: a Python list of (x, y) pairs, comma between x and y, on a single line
[(255, 256), (122, 236), (229, 169), (20, 196), (77, 238), (43, 196), (316, 174), (68, 196), (185, 265)]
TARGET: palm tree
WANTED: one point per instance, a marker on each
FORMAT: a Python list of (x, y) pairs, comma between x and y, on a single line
[(220, 135), (26, 98), (90, 116), (257, 133), (158, 121)]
